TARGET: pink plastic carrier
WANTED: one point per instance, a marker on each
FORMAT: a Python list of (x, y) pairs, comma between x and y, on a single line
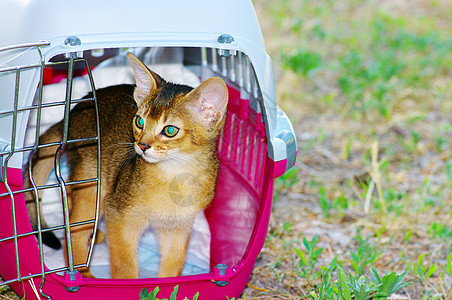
[(49, 44)]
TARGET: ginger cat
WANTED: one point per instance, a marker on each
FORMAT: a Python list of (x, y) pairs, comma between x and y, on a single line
[(158, 166)]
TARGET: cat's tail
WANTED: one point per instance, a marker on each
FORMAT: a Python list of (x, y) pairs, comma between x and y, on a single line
[(42, 163)]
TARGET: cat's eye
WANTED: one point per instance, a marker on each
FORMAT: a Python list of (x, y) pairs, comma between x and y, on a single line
[(170, 131), (139, 122)]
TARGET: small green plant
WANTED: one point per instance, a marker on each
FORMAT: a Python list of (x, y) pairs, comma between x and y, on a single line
[(389, 284), (448, 171), (302, 62), (365, 254), (324, 203), (333, 206), (287, 227), (342, 285), (325, 290), (357, 288), (144, 295), (393, 199), (279, 277), (348, 148), (305, 267), (429, 196), (407, 236), (287, 180), (340, 203), (422, 270), (447, 270), (282, 231), (441, 231), (360, 288)]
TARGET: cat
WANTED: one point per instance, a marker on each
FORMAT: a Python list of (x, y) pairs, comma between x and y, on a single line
[(158, 166)]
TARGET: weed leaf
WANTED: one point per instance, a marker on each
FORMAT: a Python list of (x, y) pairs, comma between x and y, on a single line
[(333, 264), (345, 292), (301, 256), (376, 276), (306, 244), (174, 293)]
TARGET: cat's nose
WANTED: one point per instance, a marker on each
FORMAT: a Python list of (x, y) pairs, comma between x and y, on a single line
[(143, 147)]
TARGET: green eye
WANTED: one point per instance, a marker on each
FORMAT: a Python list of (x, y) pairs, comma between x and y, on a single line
[(139, 122), (170, 131)]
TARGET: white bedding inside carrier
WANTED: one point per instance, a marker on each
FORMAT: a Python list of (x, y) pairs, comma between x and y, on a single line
[(168, 64)]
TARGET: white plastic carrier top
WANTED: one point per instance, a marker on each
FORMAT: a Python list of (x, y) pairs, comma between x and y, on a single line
[(136, 23)]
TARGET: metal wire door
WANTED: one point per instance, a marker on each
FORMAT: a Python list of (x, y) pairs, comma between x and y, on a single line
[(14, 113)]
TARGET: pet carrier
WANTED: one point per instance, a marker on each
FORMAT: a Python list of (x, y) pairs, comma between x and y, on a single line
[(52, 53)]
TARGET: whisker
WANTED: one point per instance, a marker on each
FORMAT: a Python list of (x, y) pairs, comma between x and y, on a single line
[(126, 151), (130, 156), (120, 144), (127, 154), (134, 104)]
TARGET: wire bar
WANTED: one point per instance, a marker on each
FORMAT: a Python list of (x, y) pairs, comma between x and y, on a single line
[(5, 174), (59, 154), (45, 105), (97, 213)]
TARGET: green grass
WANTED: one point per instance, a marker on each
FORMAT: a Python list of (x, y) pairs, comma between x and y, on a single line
[(367, 85), (302, 62), (145, 295), (355, 285)]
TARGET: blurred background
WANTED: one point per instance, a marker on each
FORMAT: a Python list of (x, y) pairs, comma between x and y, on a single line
[(367, 85)]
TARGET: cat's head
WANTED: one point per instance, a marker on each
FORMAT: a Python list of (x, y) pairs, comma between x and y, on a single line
[(175, 122)]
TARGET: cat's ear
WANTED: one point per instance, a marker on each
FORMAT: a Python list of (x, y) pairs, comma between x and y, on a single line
[(208, 102), (146, 80)]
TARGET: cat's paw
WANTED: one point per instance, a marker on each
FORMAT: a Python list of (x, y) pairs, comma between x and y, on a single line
[(86, 273)]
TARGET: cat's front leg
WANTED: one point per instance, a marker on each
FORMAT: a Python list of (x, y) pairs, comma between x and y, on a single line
[(173, 245), (82, 201), (123, 244)]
